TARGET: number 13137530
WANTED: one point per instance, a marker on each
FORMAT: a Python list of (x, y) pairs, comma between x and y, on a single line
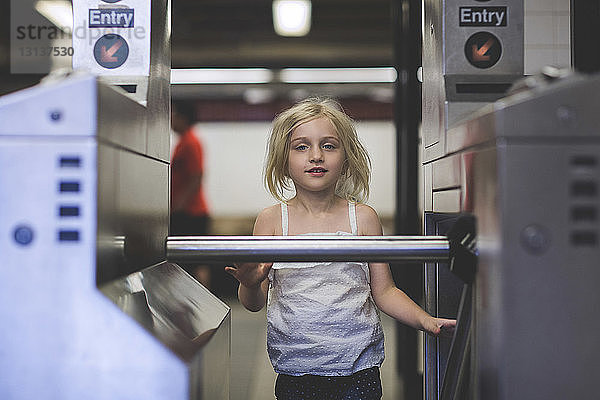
[(54, 51)]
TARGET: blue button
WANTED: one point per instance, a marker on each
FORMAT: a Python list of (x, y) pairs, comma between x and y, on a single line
[(55, 116), (23, 235)]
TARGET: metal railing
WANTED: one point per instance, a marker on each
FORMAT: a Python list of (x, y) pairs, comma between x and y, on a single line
[(307, 248)]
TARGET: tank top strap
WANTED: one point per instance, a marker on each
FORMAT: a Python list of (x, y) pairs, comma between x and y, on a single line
[(352, 215), (284, 219)]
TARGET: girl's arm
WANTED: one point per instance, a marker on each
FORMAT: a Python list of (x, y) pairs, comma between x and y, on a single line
[(255, 297), (253, 277), (391, 300)]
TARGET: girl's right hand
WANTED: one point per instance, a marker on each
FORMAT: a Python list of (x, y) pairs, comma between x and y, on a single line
[(250, 275), (440, 327)]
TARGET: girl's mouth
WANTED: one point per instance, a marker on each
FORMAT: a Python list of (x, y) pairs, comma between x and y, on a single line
[(317, 171)]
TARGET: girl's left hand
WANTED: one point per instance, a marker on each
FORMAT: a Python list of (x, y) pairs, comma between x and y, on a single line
[(250, 275), (440, 327)]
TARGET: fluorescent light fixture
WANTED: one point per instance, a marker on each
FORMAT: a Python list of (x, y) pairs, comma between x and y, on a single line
[(258, 95), (200, 76), (338, 75), (59, 12), (291, 17)]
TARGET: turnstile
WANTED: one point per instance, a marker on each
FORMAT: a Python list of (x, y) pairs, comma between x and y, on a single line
[(89, 306), (527, 167)]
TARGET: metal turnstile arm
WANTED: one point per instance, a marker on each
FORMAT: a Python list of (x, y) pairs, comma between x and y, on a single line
[(303, 248), (458, 248)]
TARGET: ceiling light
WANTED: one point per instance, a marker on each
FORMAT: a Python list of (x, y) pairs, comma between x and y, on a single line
[(256, 95), (216, 76), (338, 75), (291, 17), (59, 12)]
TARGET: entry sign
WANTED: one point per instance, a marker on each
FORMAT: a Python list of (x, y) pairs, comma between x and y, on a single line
[(483, 16), (112, 37), (111, 18), (483, 50)]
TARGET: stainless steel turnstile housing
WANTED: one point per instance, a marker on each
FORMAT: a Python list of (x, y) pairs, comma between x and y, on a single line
[(89, 307), (528, 168)]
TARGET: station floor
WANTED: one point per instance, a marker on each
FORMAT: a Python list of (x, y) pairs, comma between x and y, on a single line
[(252, 377)]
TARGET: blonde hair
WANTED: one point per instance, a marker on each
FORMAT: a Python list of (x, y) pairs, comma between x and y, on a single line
[(353, 184)]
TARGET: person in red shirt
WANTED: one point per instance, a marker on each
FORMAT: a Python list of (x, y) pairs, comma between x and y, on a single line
[(189, 209)]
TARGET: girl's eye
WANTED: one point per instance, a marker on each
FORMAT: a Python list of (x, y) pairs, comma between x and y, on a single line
[(301, 147), (328, 146)]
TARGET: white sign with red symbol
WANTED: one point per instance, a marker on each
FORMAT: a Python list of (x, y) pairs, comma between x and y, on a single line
[(112, 37)]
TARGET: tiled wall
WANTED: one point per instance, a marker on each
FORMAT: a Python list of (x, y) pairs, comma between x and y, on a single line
[(547, 37)]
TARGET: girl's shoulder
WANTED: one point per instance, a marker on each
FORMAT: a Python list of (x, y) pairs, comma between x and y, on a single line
[(268, 221), (368, 220)]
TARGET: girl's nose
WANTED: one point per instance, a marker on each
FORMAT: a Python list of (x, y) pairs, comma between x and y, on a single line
[(316, 155)]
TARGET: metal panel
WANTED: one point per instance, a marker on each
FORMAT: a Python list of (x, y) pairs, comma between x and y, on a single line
[(133, 212), (64, 339), (121, 122), (185, 317), (489, 281), (110, 240), (531, 166), (459, 111), (434, 90), (442, 292), (545, 272), (557, 111), (447, 201), (51, 112), (159, 85), (427, 187), (78, 210), (447, 173)]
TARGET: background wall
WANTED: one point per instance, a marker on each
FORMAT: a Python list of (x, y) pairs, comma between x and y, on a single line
[(234, 159), (547, 34)]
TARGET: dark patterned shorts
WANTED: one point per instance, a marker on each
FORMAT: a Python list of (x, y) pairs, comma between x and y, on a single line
[(363, 385)]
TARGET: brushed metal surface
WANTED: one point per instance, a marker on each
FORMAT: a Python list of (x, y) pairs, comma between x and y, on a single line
[(520, 356), (133, 204), (62, 275), (51, 111), (171, 305), (530, 161), (315, 248), (434, 91), (561, 111), (447, 201), (427, 176), (159, 85), (121, 122), (62, 338), (446, 173), (441, 295)]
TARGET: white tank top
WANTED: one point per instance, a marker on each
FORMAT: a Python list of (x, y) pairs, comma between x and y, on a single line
[(321, 318)]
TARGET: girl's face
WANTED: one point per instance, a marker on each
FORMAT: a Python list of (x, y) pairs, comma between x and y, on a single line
[(316, 156)]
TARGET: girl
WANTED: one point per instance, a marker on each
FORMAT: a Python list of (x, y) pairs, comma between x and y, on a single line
[(324, 336)]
